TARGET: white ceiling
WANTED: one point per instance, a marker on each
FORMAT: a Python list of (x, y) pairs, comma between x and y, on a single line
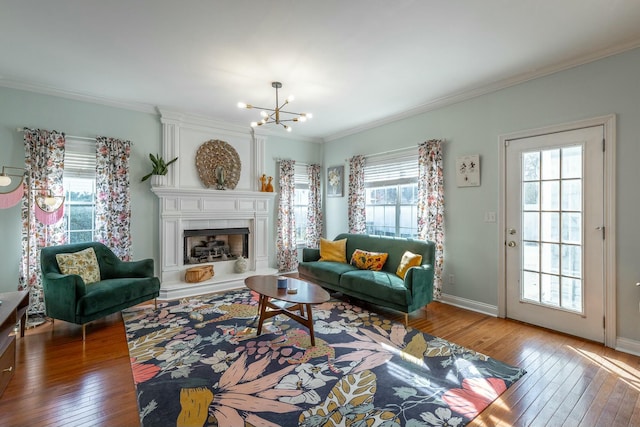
[(352, 63)]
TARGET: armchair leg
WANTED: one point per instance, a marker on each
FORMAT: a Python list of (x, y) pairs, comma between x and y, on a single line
[(84, 331), (155, 303), (406, 319)]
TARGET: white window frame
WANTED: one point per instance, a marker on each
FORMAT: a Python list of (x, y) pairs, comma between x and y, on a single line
[(79, 162), (395, 170), (301, 179)]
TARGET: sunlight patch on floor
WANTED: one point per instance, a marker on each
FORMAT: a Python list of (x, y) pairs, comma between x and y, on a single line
[(626, 373)]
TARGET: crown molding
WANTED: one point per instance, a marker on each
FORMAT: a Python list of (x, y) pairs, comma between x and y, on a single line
[(489, 88), (77, 96)]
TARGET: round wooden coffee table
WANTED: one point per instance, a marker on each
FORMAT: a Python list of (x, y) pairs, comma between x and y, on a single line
[(274, 301)]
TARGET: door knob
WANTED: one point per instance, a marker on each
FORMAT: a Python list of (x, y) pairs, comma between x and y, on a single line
[(511, 244)]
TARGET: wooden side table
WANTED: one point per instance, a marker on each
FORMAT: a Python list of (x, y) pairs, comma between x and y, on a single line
[(14, 306)]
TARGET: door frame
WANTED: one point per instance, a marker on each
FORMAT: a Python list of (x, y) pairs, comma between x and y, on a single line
[(609, 129)]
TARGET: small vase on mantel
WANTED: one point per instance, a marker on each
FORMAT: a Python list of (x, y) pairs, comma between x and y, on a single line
[(156, 180), (241, 265)]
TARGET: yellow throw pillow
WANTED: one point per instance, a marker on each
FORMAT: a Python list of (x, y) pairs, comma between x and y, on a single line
[(365, 260), (409, 259), (333, 250), (84, 263)]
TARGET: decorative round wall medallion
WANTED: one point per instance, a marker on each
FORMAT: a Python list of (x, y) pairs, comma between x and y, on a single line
[(218, 165)]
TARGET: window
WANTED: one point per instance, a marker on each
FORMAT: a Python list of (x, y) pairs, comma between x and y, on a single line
[(301, 202), (391, 187), (79, 184)]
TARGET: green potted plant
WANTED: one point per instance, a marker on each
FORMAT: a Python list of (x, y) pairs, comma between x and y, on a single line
[(160, 167)]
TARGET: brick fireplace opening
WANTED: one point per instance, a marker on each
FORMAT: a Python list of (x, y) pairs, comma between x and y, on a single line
[(215, 244)]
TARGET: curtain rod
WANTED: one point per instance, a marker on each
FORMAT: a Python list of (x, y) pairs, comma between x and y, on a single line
[(277, 159), (84, 138), (384, 153)]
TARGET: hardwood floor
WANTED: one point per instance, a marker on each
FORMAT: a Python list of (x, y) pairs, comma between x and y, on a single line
[(61, 381)]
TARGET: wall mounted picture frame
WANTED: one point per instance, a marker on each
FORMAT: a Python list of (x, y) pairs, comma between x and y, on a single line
[(468, 171), (335, 181)]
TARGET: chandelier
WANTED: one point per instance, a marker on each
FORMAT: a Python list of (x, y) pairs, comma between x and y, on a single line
[(270, 115)]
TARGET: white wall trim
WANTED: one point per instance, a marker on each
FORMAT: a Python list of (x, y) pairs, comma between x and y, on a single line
[(624, 345), (610, 305), (77, 96), (628, 346), (478, 307)]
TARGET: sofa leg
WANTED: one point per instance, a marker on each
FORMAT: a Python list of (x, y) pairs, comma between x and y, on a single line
[(84, 331), (406, 319), (155, 303)]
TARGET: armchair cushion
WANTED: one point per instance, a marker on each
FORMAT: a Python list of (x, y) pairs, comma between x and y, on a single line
[(83, 263)]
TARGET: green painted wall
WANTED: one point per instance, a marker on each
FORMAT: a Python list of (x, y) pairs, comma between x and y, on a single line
[(27, 109), (607, 86)]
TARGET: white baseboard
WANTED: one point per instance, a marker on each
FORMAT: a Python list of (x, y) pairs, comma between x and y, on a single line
[(628, 346), (479, 307), (624, 345)]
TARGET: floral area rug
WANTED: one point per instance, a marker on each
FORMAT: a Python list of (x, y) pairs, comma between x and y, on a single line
[(198, 362)]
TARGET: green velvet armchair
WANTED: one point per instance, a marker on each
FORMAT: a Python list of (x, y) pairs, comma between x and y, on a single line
[(121, 285)]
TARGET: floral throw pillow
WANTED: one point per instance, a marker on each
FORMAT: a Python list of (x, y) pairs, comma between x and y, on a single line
[(365, 260), (84, 263)]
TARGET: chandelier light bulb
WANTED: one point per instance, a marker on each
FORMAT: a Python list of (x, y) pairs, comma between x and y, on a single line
[(254, 124), (290, 98), (264, 114), (308, 115), (242, 105), (288, 128), (4, 180), (302, 119)]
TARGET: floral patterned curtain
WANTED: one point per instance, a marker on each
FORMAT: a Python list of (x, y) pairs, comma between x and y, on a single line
[(314, 210), (113, 200), (44, 163), (287, 250), (431, 203), (357, 200)]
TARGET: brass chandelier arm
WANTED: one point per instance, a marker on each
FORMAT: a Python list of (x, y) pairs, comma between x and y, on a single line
[(274, 114)]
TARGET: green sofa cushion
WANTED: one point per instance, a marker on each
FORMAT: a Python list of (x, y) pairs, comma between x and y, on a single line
[(110, 293), (380, 284), (328, 271)]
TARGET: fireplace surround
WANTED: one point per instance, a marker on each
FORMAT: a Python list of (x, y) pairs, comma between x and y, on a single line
[(186, 204), (182, 210)]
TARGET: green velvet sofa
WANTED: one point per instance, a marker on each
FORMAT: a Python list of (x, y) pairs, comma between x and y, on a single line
[(383, 288), (122, 285)]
